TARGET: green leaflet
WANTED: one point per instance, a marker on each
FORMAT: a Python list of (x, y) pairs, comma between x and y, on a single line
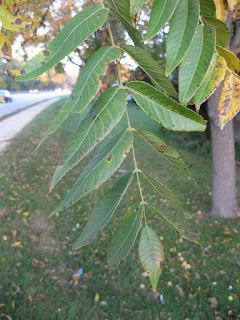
[(232, 61), (122, 9), (189, 238), (183, 27), (86, 87), (196, 62), (125, 235), (99, 169), (101, 119), (167, 152), (162, 216), (164, 191), (72, 35), (199, 96), (151, 68), (208, 8), (104, 210), (208, 13), (160, 14), (164, 110), (135, 6), (214, 76), (151, 254), (222, 32)]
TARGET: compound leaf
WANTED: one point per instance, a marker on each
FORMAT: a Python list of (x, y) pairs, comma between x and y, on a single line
[(151, 254), (164, 110), (125, 235), (99, 169), (104, 210)]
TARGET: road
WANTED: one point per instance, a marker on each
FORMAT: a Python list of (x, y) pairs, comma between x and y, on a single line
[(22, 100)]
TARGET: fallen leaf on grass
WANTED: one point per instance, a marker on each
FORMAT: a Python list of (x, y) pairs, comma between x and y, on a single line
[(213, 301), (97, 297), (16, 244)]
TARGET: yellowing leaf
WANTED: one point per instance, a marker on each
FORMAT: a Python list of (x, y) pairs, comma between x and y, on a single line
[(5, 47), (16, 244), (212, 79), (30, 299), (35, 261), (233, 6), (14, 234), (221, 9), (12, 6), (151, 254), (233, 62), (229, 102), (12, 22), (97, 297), (26, 214)]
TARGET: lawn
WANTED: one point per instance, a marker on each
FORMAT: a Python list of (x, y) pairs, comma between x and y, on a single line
[(39, 269)]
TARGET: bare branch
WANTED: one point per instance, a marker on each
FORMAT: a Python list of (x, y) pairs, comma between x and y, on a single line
[(71, 60)]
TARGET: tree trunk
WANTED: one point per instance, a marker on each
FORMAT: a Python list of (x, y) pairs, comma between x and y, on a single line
[(224, 203)]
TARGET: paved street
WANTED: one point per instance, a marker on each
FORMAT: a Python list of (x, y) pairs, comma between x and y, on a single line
[(12, 125), (22, 100)]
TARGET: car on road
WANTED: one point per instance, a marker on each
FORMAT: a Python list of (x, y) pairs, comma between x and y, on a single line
[(34, 91), (6, 95)]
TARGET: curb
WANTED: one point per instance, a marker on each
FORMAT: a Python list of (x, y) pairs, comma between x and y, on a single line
[(23, 109)]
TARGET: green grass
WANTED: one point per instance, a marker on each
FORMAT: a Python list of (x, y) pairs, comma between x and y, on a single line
[(38, 267)]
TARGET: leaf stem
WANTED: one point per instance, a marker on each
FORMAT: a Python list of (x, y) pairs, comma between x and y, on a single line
[(127, 115)]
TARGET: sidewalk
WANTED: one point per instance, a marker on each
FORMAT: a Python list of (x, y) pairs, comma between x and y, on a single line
[(14, 124)]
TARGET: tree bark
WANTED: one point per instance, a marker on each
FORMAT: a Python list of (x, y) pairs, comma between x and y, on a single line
[(224, 202)]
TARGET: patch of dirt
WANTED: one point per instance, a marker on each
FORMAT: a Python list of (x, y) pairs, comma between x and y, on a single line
[(46, 244), (42, 225), (40, 222), (3, 212)]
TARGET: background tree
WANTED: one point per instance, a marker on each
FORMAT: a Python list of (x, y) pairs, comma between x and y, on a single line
[(224, 202)]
